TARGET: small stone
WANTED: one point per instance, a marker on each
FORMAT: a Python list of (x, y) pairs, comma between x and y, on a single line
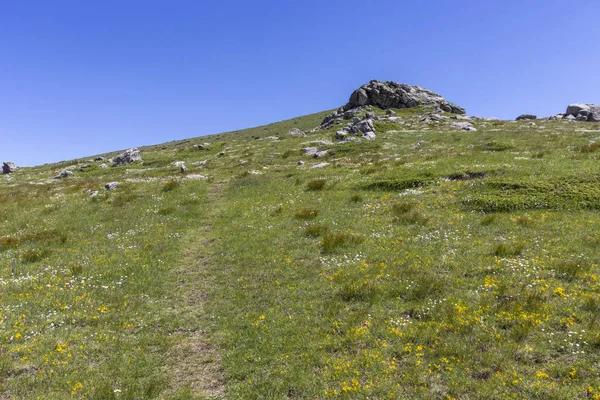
[(320, 165), (321, 153), (301, 162), (111, 186), (102, 166), (99, 158), (309, 151), (183, 169), (296, 132), (64, 174)]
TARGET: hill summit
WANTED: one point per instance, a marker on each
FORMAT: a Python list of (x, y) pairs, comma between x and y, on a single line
[(391, 94)]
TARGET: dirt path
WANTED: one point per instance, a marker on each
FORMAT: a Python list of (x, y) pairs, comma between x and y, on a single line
[(195, 362)]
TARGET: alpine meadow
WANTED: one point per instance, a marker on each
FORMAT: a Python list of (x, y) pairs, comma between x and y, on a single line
[(394, 248)]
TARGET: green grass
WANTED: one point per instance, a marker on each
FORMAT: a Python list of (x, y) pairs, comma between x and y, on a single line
[(465, 268)]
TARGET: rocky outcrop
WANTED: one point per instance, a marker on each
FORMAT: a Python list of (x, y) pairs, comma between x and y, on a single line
[(296, 132), (526, 117), (386, 95), (8, 167), (583, 112), (127, 157)]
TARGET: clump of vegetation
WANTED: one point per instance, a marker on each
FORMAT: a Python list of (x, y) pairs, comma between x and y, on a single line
[(34, 255), (523, 220), (497, 146), (333, 241), (315, 230), (316, 184), (171, 185), (307, 213), (356, 198), (406, 213), (588, 148), (508, 249)]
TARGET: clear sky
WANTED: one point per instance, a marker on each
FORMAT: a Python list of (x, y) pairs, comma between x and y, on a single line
[(79, 78)]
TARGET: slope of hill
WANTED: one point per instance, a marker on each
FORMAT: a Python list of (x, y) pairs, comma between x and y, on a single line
[(428, 262)]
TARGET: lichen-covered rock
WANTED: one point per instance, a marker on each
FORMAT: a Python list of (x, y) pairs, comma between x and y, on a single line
[(8, 167), (296, 132), (127, 157), (111, 186), (583, 112), (64, 174)]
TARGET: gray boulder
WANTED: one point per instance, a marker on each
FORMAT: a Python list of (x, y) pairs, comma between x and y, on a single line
[(526, 117), (127, 157), (574, 109), (569, 118), (111, 186), (183, 169), (296, 132), (8, 167), (102, 166), (583, 112), (321, 153), (309, 151), (363, 126), (465, 126), (64, 174), (99, 158)]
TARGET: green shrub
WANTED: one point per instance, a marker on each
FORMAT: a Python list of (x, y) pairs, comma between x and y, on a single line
[(307, 213), (332, 241), (316, 184), (315, 230)]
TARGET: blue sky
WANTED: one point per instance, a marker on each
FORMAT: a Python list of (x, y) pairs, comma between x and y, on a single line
[(79, 78)]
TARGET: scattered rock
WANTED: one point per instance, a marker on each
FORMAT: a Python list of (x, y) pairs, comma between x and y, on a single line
[(525, 117), (102, 166), (195, 176), (99, 159), (418, 144), (64, 174), (389, 112), (569, 118), (8, 167), (127, 157), (465, 126), (198, 147), (321, 153), (255, 172), (243, 162), (221, 154), (296, 132), (301, 163), (183, 169), (94, 193), (320, 165), (199, 164), (111, 186), (309, 151)]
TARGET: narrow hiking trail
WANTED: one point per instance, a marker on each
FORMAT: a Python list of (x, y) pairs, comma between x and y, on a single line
[(195, 359)]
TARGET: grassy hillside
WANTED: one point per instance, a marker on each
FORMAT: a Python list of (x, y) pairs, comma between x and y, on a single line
[(463, 267)]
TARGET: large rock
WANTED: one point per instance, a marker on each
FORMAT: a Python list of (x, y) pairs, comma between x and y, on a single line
[(127, 157), (8, 167), (296, 132), (525, 117), (583, 112), (64, 174), (387, 95)]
